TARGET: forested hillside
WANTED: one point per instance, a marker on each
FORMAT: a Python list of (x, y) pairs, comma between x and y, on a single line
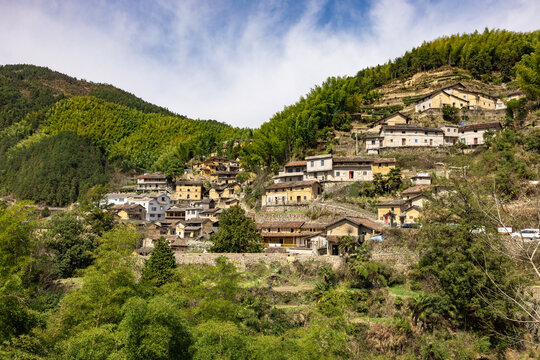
[(29, 88), (51, 122), (490, 56)]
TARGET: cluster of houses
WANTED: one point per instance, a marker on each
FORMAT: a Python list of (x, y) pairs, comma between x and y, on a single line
[(187, 211), (397, 131), (317, 238), (458, 96), (302, 182), (183, 211)]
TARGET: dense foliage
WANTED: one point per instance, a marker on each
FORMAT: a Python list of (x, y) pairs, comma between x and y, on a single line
[(158, 268), (487, 55), (237, 233), (27, 88), (54, 170)]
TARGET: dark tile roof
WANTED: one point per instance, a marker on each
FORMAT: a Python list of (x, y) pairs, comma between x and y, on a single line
[(482, 126), (411, 128), (292, 184)]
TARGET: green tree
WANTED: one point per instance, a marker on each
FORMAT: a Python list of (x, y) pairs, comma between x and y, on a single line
[(158, 269), (237, 233), (219, 340), (17, 242), (71, 241), (450, 114), (154, 330), (464, 272), (528, 74)]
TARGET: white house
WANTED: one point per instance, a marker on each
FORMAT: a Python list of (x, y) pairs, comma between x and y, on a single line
[(474, 134)]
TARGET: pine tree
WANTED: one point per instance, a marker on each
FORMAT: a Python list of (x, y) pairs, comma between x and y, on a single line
[(158, 268)]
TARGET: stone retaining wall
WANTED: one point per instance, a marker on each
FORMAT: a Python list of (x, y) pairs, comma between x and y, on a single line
[(244, 260)]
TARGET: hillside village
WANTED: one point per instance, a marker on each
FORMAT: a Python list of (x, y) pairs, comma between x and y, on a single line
[(387, 214), (186, 210)]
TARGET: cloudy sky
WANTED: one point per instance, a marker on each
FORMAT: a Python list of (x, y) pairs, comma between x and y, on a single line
[(240, 61)]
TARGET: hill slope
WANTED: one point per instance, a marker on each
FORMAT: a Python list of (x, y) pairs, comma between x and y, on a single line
[(489, 56), (59, 135), (28, 88)]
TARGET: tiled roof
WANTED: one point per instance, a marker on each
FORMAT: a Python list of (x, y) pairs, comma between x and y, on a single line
[(292, 184), (189, 183), (338, 160), (280, 224), (482, 126), (384, 160), (416, 189), (411, 128), (359, 221), (398, 202), (152, 176), (296, 163)]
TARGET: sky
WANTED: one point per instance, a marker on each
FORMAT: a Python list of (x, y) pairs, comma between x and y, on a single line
[(238, 62)]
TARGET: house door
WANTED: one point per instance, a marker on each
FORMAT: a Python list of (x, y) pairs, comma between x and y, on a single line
[(430, 142), (298, 199), (403, 142), (476, 140), (335, 250), (351, 174)]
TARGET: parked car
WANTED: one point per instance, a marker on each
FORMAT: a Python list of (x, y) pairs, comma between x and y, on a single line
[(527, 234), (504, 230)]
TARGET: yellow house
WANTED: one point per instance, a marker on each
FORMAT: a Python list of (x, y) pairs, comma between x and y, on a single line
[(438, 99), (475, 99), (358, 228), (226, 191), (290, 193), (411, 214), (383, 165), (396, 118), (129, 211), (288, 233), (213, 164), (389, 212), (189, 190)]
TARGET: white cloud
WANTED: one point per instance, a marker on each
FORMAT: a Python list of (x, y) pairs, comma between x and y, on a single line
[(253, 65)]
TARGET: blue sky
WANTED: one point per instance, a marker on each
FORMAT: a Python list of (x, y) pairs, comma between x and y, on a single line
[(240, 61)]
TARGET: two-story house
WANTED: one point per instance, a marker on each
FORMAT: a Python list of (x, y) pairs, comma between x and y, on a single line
[(474, 134), (291, 193), (189, 190), (152, 182)]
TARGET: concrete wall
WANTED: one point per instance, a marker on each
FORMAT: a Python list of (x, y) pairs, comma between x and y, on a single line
[(244, 260)]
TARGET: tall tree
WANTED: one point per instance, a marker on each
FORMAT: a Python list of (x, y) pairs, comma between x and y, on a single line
[(158, 269), (237, 233)]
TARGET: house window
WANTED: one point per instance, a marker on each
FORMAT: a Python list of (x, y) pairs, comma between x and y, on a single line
[(365, 172), (312, 164), (415, 140), (337, 173), (425, 141), (154, 209), (322, 162), (372, 142), (305, 197)]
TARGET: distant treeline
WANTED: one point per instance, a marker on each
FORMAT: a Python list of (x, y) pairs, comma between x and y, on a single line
[(300, 126)]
